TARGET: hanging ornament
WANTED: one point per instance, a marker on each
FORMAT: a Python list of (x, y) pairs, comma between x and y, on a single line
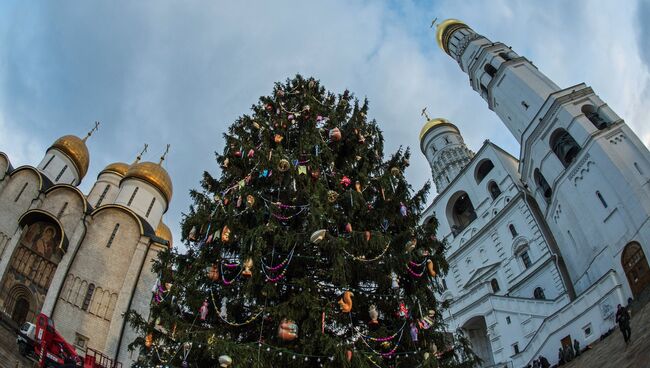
[(332, 196), (238, 154), (431, 268), (394, 282), (148, 340), (345, 181), (427, 321), (348, 355), (250, 200), (288, 330), (248, 264), (283, 165), (322, 323), (302, 170), (367, 234), (374, 315), (317, 236), (345, 303), (256, 125), (226, 162), (410, 245), (213, 272), (403, 310), (319, 118), (348, 228), (414, 332), (225, 234), (290, 117), (394, 171), (278, 138), (225, 361), (251, 153), (315, 174), (203, 311), (239, 200), (192, 235), (335, 135), (357, 186), (269, 107), (402, 209)]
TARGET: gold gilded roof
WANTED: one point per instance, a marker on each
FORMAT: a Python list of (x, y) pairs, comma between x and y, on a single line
[(119, 168), (449, 24), (76, 150), (163, 232), (430, 124), (153, 174)]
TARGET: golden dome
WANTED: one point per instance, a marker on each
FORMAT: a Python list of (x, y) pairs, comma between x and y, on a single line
[(153, 174), (164, 233), (75, 149), (430, 124), (119, 168), (442, 36)]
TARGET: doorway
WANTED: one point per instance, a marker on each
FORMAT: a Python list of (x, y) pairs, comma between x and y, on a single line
[(636, 267), (21, 308)]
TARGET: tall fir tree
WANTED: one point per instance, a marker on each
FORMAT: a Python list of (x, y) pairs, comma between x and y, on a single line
[(306, 251)]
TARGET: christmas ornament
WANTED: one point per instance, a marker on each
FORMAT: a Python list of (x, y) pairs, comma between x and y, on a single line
[(410, 245), (345, 181), (226, 162), (402, 311), (203, 311), (288, 330), (225, 361), (250, 200), (256, 125), (374, 315), (251, 153), (319, 118), (213, 273), (302, 170), (278, 138), (290, 117), (192, 235), (148, 340), (427, 321), (238, 154), (345, 303), (367, 234), (239, 200), (414, 332), (395, 171), (248, 264), (315, 174), (335, 135), (283, 165), (348, 355), (394, 283), (348, 227), (225, 234), (317, 236), (357, 186), (431, 268), (402, 209), (332, 196)]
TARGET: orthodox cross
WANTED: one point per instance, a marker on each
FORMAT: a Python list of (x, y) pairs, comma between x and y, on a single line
[(433, 22), (162, 158), (424, 113), (94, 129), (144, 150)]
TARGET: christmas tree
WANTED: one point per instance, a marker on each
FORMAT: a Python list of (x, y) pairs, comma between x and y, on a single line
[(306, 251)]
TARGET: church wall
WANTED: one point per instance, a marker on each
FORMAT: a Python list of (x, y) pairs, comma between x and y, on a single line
[(65, 204), (105, 180), (4, 166), (55, 167), (142, 200), (14, 200), (104, 267)]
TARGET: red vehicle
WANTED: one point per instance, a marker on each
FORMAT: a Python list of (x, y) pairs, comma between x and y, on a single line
[(50, 349)]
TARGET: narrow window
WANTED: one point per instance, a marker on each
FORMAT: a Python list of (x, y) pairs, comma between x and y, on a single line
[(89, 296), (444, 284), (525, 105), (110, 240), (492, 71), (133, 196), (101, 197), (153, 200), (48, 162), (494, 189), (515, 347), (513, 231), (602, 200), (65, 167), (539, 293), (495, 285), (543, 186), (447, 140), (508, 321), (21, 192), (526, 259), (65, 205), (636, 165)]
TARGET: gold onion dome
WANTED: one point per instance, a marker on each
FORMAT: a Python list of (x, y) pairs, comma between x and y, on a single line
[(119, 168), (153, 174), (75, 149), (430, 124), (444, 31), (164, 233)]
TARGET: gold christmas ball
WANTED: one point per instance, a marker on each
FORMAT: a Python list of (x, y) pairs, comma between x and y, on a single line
[(332, 196), (283, 165), (250, 200), (278, 138), (395, 171)]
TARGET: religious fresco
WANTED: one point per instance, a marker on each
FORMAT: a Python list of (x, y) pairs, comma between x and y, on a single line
[(44, 239)]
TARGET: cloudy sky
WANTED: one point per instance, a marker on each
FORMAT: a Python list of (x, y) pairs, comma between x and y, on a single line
[(181, 72)]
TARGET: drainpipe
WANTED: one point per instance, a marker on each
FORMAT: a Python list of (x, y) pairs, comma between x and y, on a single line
[(128, 307)]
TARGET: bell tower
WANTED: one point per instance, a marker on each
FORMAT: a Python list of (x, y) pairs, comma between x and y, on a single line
[(589, 173)]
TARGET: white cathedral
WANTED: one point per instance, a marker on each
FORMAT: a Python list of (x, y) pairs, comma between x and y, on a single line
[(83, 260), (541, 248)]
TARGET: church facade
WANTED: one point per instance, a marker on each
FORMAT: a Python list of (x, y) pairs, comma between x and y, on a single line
[(542, 247), (84, 260)]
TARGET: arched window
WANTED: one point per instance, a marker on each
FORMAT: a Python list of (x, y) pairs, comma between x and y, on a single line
[(543, 186), (564, 146), (492, 71), (89, 296), (512, 229), (602, 200), (599, 121), (483, 169), (495, 285), (494, 190), (460, 212), (505, 56), (539, 293), (525, 258)]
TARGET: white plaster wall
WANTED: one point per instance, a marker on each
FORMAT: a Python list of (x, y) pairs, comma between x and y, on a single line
[(109, 179), (70, 175), (142, 200), (12, 209)]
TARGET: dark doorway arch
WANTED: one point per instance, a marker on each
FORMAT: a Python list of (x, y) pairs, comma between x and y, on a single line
[(21, 309), (636, 267), (460, 212)]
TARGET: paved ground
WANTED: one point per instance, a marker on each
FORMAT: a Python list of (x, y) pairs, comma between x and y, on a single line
[(612, 351), (9, 357)]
